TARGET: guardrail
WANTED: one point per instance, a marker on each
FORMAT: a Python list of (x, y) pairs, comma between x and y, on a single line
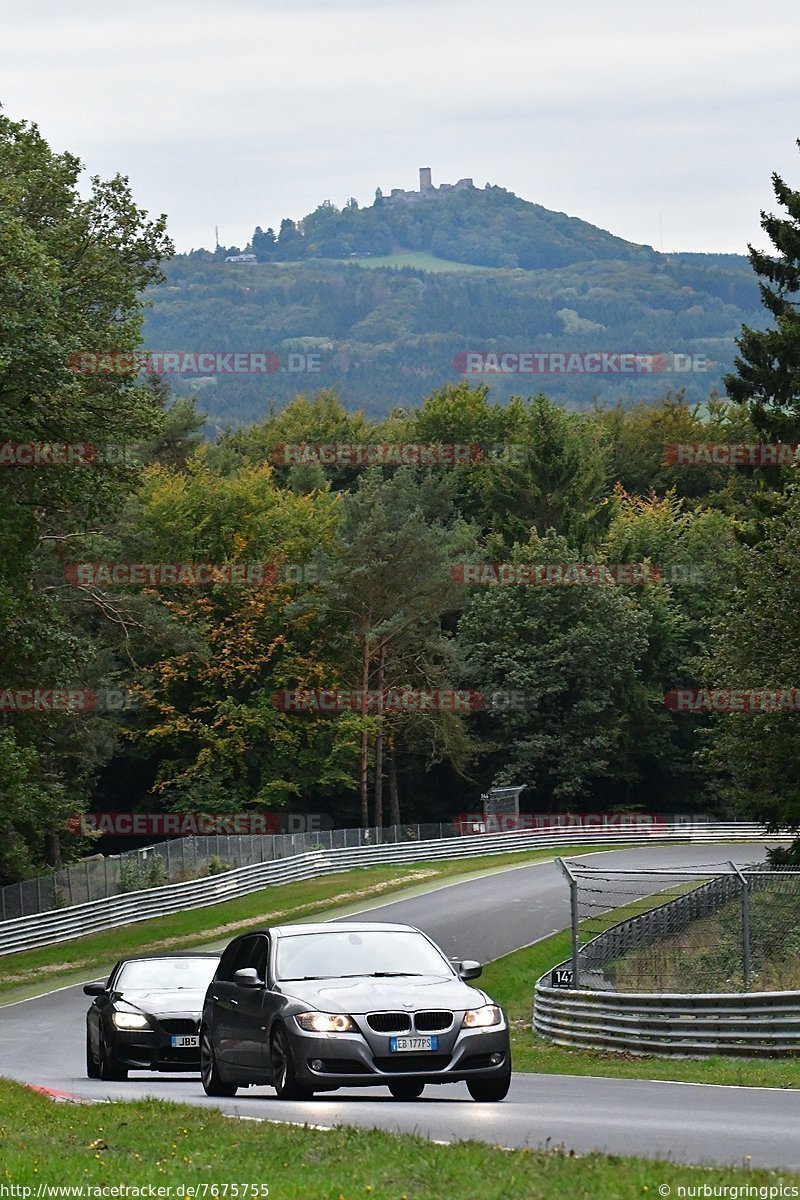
[(666, 1023), (62, 925), (758, 1023)]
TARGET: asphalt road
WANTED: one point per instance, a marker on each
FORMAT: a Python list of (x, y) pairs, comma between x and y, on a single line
[(42, 1042)]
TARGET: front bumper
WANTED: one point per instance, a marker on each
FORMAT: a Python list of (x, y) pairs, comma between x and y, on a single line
[(352, 1060), (152, 1050)]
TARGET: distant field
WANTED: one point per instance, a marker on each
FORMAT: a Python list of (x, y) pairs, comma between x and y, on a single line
[(414, 258)]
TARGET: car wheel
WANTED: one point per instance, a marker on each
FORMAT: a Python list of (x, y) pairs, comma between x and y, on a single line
[(284, 1077), (406, 1089), (110, 1067), (490, 1089), (92, 1067), (213, 1083)]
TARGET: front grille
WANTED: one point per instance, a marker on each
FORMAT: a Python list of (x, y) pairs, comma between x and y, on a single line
[(179, 1025), (433, 1022), (423, 1064), (389, 1022)]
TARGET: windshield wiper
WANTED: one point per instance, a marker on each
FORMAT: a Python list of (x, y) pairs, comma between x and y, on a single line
[(358, 975), (383, 975), (303, 978)]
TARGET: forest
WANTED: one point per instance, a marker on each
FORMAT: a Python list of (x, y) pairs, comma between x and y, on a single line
[(327, 610)]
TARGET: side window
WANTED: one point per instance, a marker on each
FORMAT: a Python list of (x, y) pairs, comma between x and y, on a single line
[(248, 952), (235, 957), (260, 956)]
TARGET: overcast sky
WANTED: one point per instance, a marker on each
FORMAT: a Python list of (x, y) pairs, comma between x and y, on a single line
[(661, 122)]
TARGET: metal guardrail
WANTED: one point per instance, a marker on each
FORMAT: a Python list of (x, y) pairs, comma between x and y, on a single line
[(62, 925), (666, 1023), (757, 1023)]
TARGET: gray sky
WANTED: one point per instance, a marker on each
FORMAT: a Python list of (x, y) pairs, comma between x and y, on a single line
[(661, 122)]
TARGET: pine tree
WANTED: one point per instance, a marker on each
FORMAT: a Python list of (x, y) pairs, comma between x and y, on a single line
[(768, 366)]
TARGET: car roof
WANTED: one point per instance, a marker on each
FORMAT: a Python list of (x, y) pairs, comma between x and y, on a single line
[(166, 955), (343, 927), (331, 927)]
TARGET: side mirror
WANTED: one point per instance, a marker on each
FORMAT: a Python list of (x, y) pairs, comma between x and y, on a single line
[(94, 989), (470, 969), (247, 977)]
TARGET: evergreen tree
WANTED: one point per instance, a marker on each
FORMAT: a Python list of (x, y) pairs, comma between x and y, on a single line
[(768, 365)]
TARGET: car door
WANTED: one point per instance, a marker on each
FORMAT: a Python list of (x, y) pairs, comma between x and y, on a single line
[(251, 1031), (224, 999)]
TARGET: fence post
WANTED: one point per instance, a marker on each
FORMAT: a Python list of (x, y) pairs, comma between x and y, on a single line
[(745, 926), (573, 906)]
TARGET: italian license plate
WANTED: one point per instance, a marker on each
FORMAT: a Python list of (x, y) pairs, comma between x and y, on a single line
[(185, 1040), (413, 1044)]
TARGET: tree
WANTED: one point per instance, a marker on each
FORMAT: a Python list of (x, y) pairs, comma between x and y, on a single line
[(72, 271), (573, 654), (210, 725), (536, 465), (768, 365), (756, 645), (387, 589)]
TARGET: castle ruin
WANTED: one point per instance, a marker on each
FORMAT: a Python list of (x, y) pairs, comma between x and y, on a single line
[(426, 190)]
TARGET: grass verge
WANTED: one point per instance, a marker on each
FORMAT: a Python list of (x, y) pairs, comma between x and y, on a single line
[(155, 1144), (510, 981), (32, 971)]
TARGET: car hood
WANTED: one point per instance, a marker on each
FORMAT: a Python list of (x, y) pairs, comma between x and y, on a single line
[(160, 1004), (365, 995)]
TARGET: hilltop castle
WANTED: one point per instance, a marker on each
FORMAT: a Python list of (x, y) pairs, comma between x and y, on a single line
[(426, 190)]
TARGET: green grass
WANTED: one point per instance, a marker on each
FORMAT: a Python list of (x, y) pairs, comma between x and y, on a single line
[(707, 955), (158, 1144), (419, 259), (510, 981), (31, 972)]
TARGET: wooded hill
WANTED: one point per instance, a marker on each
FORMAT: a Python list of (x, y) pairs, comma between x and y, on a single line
[(389, 296)]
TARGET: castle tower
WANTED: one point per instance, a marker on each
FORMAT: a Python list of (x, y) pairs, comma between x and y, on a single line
[(425, 184)]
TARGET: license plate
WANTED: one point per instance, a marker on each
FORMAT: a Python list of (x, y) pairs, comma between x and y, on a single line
[(185, 1040), (414, 1044)]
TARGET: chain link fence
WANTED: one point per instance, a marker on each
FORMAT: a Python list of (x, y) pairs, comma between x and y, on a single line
[(180, 859), (711, 928)]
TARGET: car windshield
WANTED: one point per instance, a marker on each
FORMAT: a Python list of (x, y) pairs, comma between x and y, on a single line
[(165, 974), (345, 954)]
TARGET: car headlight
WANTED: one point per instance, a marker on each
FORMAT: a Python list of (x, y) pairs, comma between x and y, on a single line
[(479, 1018), (129, 1020), (319, 1022)]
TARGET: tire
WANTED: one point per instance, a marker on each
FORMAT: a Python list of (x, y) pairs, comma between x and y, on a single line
[(489, 1090), (213, 1083), (284, 1076), (92, 1066), (109, 1065), (406, 1089)]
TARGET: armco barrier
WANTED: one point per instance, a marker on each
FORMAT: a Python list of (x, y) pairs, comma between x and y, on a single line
[(61, 925), (758, 1023), (667, 1023)]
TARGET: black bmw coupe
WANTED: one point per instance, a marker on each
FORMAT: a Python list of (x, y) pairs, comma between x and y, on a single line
[(146, 1016)]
